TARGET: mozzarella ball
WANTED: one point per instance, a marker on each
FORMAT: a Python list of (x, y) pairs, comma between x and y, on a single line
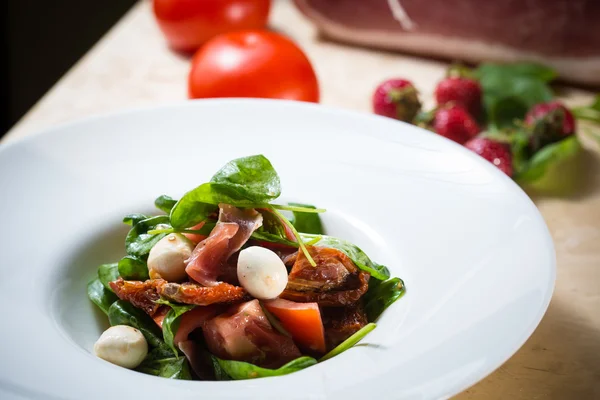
[(261, 272), (167, 258), (122, 345)]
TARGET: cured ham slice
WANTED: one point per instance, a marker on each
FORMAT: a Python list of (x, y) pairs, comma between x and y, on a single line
[(335, 281), (208, 261), (562, 34), (244, 333)]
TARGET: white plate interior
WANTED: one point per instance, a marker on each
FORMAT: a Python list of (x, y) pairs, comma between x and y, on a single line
[(474, 252)]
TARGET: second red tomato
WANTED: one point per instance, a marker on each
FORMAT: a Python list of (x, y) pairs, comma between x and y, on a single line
[(252, 64), (188, 24)]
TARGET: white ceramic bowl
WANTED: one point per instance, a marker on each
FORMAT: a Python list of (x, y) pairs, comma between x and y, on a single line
[(472, 248)]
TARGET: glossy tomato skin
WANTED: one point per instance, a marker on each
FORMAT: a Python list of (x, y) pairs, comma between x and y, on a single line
[(252, 64), (187, 24)]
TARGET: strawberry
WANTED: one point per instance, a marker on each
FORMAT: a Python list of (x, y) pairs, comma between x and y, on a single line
[(495, 152), (548, 123), (460, 90), (396, 98), (540, 110), (455, 123)]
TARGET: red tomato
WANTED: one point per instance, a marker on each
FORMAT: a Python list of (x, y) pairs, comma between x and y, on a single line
[(187, 24), (301, 320), (252, 64)]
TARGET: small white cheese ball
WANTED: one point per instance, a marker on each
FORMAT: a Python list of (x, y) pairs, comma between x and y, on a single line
[(167, 258), (122, 345), (261, 272)]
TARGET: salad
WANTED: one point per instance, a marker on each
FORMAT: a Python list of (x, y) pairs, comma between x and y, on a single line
[(228, 285)]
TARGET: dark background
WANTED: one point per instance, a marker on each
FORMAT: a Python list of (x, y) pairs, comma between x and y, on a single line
[(41, 40)]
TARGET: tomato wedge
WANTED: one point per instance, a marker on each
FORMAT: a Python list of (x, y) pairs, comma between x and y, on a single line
[(301, 320), (195, 237)]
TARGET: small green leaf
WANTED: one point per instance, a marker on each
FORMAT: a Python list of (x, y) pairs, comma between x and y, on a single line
[(526, 69), (243, 370), (108, 273), (272, 238), (132, 268), (132, 219), (358, 256), (350, 342), (381, 295), (138, 242), (307, 222), (164, 364), (504, 112), (536, 167), (100, 295), (172, 320), (243, 182), (124, 313), (164, 203)]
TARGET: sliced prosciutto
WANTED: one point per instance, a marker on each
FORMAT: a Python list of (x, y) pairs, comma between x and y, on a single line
[(208, 262), (244, 333), (194, 319), (335, 281)]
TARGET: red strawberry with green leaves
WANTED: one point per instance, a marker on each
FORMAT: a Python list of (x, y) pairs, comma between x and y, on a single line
[(548, 123), (495, 152), (459, 88), (396, 98), (451, 121)]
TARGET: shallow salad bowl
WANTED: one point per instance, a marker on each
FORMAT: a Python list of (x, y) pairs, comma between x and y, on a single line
[(473, 250)]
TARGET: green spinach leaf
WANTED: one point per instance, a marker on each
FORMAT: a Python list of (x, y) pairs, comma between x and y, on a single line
[(359, 257), (164, 203), (307, 222), (243, 370), (351, 341), (108, 273), (161, 363), (536, 167), (273, 238), (124, 313), (132, 268), (250, 178), (244, 182), (100, 295), (509, 90), (381, 295), (138, 242), (132, 219), (172, 320)]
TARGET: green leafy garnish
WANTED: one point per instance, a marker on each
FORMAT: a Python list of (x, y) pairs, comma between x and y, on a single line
[(298, 237), (358, 256), (108, 273), (536, 167), (351, 341), (138, 241), (381, 295), (100, 295), (132, 219), (161, 363), (132, 268), (243, 370), (122, 312), (164, 203), (306, 222), (589, 113), (509, 90), (172, 320)]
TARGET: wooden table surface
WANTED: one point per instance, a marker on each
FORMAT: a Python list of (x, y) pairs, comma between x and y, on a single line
[(132, 67)]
